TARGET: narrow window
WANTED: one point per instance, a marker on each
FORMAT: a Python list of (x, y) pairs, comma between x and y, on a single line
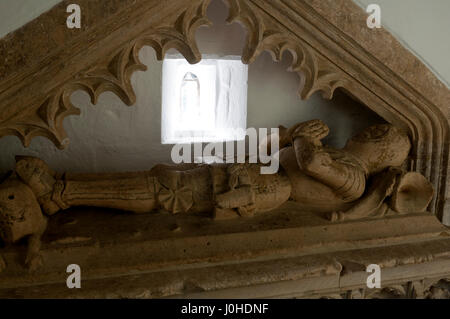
[(205, 102), (190, 112)]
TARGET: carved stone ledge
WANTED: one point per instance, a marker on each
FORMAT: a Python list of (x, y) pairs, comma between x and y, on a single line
[(284, 253), (419, 289)]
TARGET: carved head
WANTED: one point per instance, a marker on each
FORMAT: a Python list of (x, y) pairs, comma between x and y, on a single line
[(20, 214), (380, 146)]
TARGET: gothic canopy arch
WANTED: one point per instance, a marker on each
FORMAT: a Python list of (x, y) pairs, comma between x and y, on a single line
[(44, 62)]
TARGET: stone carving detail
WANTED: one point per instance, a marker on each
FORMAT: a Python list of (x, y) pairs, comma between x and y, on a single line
[(362, 180), (108, 73), (115, 74), (327, 58), (437, 289), (39, 75), (44, 120), (265, 34)]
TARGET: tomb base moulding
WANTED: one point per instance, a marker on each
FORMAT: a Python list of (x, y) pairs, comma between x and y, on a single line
[(287, 253)]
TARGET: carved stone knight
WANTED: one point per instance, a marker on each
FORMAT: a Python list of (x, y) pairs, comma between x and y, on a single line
[(361, 180)]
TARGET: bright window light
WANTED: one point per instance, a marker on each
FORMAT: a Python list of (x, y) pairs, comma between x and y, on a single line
[(205, 102)]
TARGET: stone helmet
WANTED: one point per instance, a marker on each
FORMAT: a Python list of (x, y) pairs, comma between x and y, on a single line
[(380, 146)]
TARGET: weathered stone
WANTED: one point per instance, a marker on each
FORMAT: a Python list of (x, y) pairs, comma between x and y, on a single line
[(332, 47)]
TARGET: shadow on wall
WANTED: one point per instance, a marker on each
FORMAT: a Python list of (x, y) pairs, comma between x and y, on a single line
[(111, 136)]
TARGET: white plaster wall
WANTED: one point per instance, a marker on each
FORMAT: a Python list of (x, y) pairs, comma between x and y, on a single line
[(114, 137), (421, 26), (16, 13)]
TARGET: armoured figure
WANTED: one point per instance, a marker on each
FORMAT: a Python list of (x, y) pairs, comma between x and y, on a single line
[(364, 179)]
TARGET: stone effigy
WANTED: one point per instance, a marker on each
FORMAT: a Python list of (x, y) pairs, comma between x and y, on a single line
[(365, 179)]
